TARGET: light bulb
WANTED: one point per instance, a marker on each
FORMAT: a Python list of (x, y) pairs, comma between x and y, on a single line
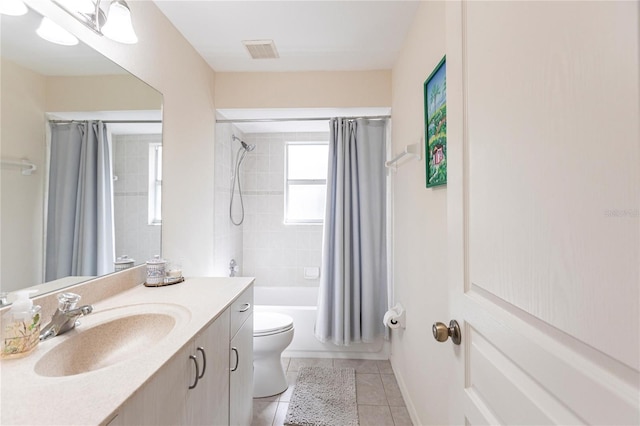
[(54, 33), (118, 26), (13, 7)]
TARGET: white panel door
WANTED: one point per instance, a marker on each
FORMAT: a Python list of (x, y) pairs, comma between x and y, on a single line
[(544, 211)]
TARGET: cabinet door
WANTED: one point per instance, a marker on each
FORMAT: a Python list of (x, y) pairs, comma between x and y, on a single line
[(241, 375), (208, 402), (167, 400), (162, 400)]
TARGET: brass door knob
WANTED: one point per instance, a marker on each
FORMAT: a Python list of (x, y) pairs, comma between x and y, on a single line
[(441, 332)]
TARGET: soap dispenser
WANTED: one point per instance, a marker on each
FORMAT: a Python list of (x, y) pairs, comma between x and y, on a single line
[(20, 327)]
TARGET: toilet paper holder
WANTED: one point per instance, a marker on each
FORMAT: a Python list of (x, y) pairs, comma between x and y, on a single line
[(395, 317)]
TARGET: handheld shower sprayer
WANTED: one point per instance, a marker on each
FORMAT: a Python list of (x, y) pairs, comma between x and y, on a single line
[(242, 151), (248, 147), (245, 145)]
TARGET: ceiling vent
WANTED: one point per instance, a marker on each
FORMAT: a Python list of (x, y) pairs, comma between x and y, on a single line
[(261, 49)]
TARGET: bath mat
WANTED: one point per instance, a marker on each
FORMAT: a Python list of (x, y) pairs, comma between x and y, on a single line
[(323, 396)]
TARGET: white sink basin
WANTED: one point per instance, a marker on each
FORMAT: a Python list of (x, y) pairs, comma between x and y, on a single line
[(110, 337)]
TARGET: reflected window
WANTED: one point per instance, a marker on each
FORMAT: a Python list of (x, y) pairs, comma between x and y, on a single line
[(306, 182), (155, 184)]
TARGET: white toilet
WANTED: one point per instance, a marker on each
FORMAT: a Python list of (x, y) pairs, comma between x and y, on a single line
[(272, 333)]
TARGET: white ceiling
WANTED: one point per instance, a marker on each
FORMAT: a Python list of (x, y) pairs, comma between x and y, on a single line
[(309, 35)]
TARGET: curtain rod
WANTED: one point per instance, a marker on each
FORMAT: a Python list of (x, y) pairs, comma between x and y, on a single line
[(273, 120), (109, 121)]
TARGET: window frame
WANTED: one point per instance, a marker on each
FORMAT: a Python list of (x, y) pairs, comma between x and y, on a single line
[(299, 182), (155, 184)]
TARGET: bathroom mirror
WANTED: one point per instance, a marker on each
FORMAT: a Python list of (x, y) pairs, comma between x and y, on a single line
[(42, 81)]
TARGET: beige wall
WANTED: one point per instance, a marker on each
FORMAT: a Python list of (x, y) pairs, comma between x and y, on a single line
[(108, 93), (165, 60), (21, 206), (319, 89), (420, 229)]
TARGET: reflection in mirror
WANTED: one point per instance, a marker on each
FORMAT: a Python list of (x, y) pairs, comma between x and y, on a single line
[(46, 87)]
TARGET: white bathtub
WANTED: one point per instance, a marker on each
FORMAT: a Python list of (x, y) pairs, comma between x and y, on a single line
[(300, 304)]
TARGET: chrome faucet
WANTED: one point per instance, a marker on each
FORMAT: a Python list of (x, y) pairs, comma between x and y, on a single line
[(65, 317)]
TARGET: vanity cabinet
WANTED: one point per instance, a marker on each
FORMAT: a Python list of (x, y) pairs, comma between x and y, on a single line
[(208, 401), (148, 386), (241, 360), (183, 394), (207, 382), (160, 401)]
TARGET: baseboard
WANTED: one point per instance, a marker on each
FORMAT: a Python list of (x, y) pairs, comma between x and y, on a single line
[(411, 409), (382, 354)]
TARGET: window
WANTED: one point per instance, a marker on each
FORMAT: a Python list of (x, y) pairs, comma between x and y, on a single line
[(305, 182), (155, 183)]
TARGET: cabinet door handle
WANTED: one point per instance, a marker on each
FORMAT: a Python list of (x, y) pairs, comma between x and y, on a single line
[(235, 350), (195, 381), (245, 307), (204, 361)]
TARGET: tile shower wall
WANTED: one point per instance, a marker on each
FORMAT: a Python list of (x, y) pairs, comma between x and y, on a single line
[(134, 236), (227, 237), (275, 253)]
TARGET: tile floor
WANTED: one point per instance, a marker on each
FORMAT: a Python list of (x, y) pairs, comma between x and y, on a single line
[(379, 400)]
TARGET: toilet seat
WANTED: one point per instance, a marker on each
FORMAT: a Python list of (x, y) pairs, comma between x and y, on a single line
[(269, 323)]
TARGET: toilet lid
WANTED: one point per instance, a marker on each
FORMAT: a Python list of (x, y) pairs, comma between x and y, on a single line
[(266, 323)]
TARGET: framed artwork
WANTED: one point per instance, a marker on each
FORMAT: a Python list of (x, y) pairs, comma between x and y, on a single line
[(435, 125)]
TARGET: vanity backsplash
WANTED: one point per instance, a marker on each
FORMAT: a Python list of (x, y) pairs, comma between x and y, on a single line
[(91, 291)]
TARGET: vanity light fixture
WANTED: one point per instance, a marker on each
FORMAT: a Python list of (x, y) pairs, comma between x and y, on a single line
[(48, 29), (83, 6), (119, 27), (112, 20), (13, 7), (54, 33)]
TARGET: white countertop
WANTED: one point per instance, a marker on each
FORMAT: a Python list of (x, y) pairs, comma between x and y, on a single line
[(93, 397)]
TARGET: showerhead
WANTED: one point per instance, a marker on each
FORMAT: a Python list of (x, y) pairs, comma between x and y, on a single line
[(245, 145), (248, 147)]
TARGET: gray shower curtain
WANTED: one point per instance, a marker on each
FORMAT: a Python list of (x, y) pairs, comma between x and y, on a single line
[(353, 285), (79, 240)]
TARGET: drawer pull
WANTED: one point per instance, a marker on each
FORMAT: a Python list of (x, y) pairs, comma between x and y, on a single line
[(245, 307), (204, 361), (195, 361), (235, 350)]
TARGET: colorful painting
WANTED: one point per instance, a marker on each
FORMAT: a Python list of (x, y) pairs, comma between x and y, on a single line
[(435, 117)]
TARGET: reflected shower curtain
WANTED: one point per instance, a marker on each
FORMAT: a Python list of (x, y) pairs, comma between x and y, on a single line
[(79, 239), (353, 285)]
